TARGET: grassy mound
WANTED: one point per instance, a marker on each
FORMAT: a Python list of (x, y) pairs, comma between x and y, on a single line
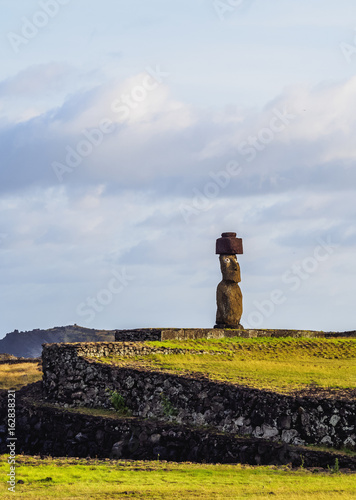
[(283, 365)]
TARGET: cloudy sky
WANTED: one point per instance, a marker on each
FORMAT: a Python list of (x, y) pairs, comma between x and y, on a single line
[(133, 133)]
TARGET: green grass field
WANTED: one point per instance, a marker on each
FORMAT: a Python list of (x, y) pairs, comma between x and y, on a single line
[(109, 479), (282, 365)]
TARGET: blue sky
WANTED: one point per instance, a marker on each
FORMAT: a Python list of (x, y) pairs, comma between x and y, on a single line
[(133, 133)]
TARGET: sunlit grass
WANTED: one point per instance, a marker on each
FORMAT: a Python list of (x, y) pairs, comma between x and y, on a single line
[(269, 346), (95, 479), (282, 365), (15, 376)]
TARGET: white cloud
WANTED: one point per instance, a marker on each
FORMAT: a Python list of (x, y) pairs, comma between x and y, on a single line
[(121, 207), (36, 80), (168, 145)]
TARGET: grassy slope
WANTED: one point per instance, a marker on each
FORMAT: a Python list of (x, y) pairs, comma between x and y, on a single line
[(267, 360), (94, 479), (15, 376), (282, 365)]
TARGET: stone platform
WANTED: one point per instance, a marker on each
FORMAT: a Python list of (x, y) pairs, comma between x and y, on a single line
[(144, 334)]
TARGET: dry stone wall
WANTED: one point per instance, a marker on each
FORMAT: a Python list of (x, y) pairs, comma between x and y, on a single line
[(144, 334), (72, 380), (58, 432)]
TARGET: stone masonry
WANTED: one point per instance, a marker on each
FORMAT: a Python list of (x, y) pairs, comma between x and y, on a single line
[(70, 378)]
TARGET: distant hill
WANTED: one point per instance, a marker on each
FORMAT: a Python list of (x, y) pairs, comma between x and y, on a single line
[(4, 357), (29, 344)]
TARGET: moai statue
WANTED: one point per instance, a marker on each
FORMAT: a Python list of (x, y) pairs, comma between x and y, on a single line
[(228, 293)]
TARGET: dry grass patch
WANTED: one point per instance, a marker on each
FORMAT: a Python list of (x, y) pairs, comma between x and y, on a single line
[(17, 375)]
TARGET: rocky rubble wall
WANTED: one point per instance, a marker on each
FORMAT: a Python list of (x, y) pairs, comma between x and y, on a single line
[(56, 432), (69, 352), (70, 379)]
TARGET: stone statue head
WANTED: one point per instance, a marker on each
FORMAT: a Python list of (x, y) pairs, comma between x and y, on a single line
[(230, 268)]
